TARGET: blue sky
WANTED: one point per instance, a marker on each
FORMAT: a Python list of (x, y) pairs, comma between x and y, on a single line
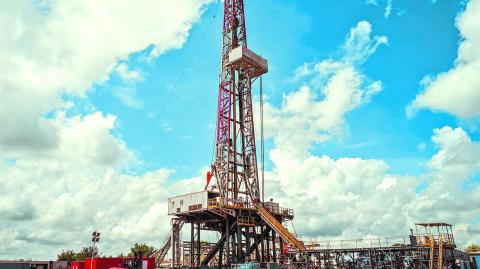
[(173, 128)]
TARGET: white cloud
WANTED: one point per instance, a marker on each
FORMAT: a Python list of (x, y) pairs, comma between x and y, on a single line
[(64, 47), (342, 198), (128, 75), (54, 201), (388, 9), (64, 174), (302, 71), (456, 91), (446, 198), (317, 109), (351, 198), (360, 45), (388, 6), (128, 96), (421, 147), (458, 155)]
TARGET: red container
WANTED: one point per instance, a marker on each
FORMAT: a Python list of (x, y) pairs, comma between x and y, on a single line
[(148, 262), (103, 263), (78, 265)]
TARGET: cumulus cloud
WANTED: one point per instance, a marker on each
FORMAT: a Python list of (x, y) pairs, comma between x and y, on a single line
[(456, 91), (447, 196), (316, 111), (352, 197), (57, 48), (128, 75), (62, 173), (54, 201), (127, 94), (458, 154)]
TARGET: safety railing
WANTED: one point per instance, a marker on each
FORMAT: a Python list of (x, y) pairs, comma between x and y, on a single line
[(393, 242), (424, 240), (287, 212), (427, 239), (278, 227), (448, 239), (230, 203), (283, 211)]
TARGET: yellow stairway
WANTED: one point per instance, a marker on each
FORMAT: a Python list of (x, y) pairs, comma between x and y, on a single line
[(278, 227)]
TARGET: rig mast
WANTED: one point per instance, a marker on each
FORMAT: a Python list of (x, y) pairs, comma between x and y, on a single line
[(235, 166)]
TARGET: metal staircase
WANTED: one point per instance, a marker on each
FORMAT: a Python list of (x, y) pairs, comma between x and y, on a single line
[(160, 254), (440, 252), (436, 252), (279, 228)]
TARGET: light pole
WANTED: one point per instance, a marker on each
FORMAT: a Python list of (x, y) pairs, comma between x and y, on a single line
[(95, 239)]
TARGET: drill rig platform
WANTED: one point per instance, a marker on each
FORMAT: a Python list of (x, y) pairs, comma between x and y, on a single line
[(246, 232)]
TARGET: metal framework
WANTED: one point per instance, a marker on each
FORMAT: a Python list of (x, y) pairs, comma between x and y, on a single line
[(432, 248), (235, 166)]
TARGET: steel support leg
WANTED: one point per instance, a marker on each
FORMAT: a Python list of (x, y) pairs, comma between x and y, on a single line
[(199, 244), (192, 244)]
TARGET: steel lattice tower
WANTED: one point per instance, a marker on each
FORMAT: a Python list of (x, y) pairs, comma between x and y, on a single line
[(235, 166)]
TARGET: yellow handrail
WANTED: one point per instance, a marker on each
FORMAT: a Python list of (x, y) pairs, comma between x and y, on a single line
[(278, 227), (440, 252), (432, 251)]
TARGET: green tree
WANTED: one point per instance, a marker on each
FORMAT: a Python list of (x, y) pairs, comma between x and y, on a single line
[(144, 248), (473, 248), (86, 252), (66, 255)]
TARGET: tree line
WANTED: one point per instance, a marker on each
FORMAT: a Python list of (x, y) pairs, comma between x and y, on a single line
[(87, 252)]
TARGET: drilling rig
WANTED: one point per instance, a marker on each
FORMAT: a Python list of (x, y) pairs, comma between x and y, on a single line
[(246, 228)]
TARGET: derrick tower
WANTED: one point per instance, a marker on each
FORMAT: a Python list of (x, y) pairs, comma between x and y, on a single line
[(235, 166)]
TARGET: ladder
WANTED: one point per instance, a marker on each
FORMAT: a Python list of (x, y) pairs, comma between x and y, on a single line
[(160, 254), (279, 228), (436, 253), (440, 251)]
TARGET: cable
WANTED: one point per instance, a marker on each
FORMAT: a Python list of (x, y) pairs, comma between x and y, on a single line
[(293, 226), (157, 117), (194, 108), (262, 146)]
